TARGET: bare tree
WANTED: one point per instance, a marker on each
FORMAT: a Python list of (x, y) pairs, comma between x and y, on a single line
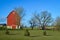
[(38, 20), (44, 19), (57, 23), (2, 19), (33, 23), (20, 11)]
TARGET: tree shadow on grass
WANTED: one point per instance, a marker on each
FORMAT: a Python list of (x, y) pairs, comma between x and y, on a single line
[(11, 34), (35, 36), (47, 35), (40, 36)]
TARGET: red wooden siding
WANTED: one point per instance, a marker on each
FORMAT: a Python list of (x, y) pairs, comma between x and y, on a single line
[(13, 19)]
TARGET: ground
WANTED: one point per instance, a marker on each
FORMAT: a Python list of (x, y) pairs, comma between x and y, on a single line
[(35, 35)]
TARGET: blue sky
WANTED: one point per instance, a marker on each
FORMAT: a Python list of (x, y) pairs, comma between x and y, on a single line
[(30, 6)]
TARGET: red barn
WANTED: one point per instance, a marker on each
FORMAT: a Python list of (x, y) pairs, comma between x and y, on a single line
[(13, 20)]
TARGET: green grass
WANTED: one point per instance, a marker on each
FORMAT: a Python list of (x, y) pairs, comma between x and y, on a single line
[(34, 35)]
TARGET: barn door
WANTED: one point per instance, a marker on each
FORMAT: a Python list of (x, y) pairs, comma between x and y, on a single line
[(14, 27)]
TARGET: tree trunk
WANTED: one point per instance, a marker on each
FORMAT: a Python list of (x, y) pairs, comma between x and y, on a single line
[(43, 28), (44, 31), (32, 28)]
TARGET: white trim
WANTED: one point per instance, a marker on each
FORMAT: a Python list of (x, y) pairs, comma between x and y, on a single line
[(19, 27), (16, 27), (9, 27)]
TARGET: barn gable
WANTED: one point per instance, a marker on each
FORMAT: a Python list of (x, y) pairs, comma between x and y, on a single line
[(13, 20)]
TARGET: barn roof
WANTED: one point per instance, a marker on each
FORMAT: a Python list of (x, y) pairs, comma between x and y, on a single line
[(12, 12)]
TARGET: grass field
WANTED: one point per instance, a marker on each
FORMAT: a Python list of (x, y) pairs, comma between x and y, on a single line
[(34, 35)]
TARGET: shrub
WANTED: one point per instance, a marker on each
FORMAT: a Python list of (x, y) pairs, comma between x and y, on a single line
[(44, 33), (7, 32), (27, 33), (2, 28)]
